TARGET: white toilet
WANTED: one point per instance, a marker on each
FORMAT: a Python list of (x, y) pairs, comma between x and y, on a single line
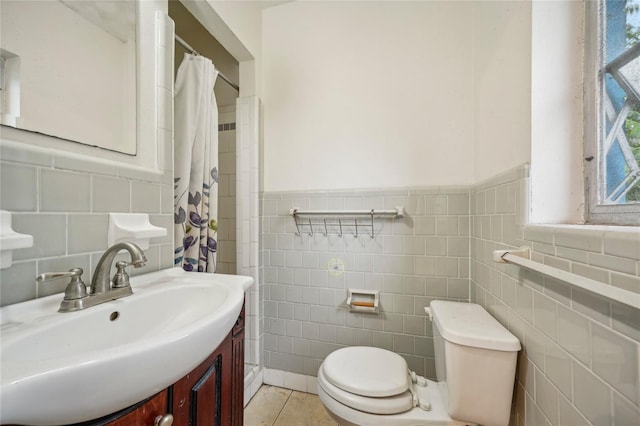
[(475, 366)]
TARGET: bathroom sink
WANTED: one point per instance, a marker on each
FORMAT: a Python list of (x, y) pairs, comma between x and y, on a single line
[(61, 368)]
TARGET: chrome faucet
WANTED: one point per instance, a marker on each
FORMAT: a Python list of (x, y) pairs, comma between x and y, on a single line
[(101, 282), (102, 288)]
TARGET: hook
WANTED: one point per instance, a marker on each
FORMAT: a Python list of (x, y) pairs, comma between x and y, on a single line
[(311, 228), (372, 224), (325, 227), (355, 220), (295, 219), (340, 223)]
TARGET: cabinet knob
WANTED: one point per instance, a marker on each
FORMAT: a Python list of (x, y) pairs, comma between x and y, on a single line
[(166, 420)]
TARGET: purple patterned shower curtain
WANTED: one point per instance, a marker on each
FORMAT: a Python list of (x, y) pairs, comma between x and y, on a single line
[(195, 165)]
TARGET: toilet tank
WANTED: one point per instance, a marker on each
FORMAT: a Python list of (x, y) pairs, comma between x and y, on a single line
[(475, 362)]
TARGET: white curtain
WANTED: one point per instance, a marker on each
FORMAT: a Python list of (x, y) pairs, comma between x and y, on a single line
[(195, 165)]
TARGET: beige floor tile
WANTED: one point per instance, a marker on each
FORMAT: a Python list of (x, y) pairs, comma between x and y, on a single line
[(265, 406), (304, 409)]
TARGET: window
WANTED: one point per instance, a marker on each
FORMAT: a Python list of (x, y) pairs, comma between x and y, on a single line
[(613, 154)]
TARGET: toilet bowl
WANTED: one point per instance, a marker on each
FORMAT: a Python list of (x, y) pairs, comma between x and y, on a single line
[(475, 365), (350, 408)]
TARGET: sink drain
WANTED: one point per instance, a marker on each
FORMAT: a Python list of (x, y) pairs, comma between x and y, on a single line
[(114, 316)]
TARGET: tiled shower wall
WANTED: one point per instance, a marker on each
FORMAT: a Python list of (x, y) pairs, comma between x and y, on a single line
[(580, 359), (63, 199), (247, 229), (226, 261), (411, 260)]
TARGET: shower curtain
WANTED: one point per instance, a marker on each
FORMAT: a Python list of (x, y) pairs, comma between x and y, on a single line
[(195, 165)]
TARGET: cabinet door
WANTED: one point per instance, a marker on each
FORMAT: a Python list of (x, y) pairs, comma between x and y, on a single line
[(203, 397), (144, 414), (196, 398)]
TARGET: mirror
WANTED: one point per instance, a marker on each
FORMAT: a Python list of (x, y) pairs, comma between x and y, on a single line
[(68, 70)]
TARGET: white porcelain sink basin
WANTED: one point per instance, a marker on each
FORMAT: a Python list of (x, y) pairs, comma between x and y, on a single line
[(61, 368)]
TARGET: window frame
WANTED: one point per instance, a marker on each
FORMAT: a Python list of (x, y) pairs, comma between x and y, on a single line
[(595, 211)]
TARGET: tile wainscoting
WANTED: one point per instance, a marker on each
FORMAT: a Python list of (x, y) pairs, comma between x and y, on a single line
[(580, 357), (67, 212), (579, 363), (411, 261)]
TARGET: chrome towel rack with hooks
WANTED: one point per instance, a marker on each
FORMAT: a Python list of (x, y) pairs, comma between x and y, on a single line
[(337, 221)]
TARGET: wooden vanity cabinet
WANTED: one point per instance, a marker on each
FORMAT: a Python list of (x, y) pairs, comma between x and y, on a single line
[(212, 394)]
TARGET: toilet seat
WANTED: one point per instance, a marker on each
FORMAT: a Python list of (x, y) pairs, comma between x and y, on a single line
[(367, 371), (368, 379), (374, 405)]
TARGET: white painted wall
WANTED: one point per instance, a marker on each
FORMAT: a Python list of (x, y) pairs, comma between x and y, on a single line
[(502, 87), (367, 94), (389, 94), (528, 104), (557, 190), (244, 21)]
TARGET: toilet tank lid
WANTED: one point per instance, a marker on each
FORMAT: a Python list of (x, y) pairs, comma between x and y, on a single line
[(469, 324)]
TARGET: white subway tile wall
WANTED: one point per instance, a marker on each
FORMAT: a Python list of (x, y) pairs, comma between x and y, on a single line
[(581, 353), (411, 260), (226, 262), (68, 233), (63, 200), (247, 230)]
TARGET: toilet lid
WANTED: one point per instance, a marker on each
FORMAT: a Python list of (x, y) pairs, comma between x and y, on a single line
[(367, 371), (385, 405)]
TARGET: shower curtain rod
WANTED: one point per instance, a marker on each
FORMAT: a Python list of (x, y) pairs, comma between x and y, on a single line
[(190, 49)]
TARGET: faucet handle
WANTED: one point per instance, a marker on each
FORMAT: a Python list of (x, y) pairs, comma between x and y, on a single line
[(48, 276), (121, 278), (76, 289)]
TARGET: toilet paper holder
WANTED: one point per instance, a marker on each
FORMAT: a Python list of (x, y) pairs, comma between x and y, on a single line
[(367, 301)]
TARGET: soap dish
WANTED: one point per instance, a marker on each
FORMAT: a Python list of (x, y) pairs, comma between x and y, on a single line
[(10, 240), (133, 227)]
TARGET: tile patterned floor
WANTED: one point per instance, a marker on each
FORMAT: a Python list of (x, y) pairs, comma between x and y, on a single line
[(273, 406)]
